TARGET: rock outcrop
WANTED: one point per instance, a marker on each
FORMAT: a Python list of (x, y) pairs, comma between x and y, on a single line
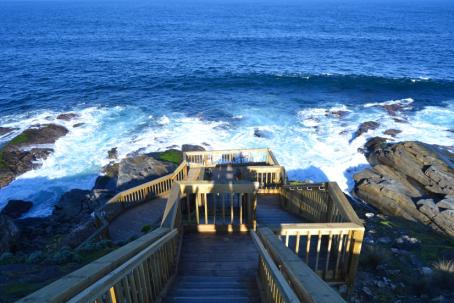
[(9, 233), (409, 179), (16, 208), (142, 168), (22, 152), (6, 130), (364, 128)]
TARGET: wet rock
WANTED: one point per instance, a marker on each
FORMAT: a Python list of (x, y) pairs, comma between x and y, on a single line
[(140, 169), (426, 271), (22, 154), (365, 127), (67, 116), (367, 291), (78, 125), (400, 120), (71, 205), (392, 132), (191, 147), (9, 233), (261, 133), (446, 203), (6, 130), (339, 113), (16, 208), (112, 153)]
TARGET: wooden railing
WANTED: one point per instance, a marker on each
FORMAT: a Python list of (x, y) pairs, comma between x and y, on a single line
[(323, 202), (138, 194), (268, 177), (208, 206), (331, 247), (231, 156), (140, 279), (126, 264), (285, 277), (274, 287)]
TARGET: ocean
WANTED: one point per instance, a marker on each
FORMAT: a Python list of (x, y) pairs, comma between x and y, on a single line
[(153, 74)]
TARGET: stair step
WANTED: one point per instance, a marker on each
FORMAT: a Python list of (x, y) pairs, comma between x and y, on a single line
[(215, 284), (204, 292), (212, 299)]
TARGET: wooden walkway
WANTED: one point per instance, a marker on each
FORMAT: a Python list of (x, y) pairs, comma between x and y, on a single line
[(130, 223), (270, 213), (216, 268)]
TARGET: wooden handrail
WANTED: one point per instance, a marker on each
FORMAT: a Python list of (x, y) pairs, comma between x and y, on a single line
[(212, 158), (147, 281), (275, 286), (70, 285), (304, 282)]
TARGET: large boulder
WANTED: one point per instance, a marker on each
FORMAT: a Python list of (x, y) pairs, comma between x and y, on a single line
[(142, 168), (191, 147), (16, 208), (364, 128), (9, 233), (412, 180), (72, 205), (22, 153)]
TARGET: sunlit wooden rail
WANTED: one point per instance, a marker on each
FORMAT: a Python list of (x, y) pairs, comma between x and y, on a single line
[(286, 277), (231, 156)]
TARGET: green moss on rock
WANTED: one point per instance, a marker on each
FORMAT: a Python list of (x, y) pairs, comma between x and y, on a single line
[(173, 156)]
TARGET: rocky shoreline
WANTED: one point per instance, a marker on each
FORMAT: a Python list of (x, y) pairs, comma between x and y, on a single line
[(412, 180), (406, 182)]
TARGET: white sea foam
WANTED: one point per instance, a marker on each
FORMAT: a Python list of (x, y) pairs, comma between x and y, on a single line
[(405, 103), (312, 144)]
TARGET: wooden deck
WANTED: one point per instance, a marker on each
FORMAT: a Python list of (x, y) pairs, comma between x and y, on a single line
[(216, 268), (131, 222), (269, 212)]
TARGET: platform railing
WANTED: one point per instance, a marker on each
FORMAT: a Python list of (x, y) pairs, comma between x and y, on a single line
[(209, 207), (331, 247), (295, 278), (231, 156)]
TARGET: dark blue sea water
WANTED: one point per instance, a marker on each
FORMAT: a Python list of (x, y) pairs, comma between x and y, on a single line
[(152, 74)]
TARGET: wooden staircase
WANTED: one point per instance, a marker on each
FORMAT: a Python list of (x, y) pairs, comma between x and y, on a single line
[(216, 268)]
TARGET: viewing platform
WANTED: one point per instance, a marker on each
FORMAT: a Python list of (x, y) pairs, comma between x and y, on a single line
[(227, 227)]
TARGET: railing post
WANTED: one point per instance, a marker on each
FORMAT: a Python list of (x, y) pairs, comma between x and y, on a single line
[(357, 241)]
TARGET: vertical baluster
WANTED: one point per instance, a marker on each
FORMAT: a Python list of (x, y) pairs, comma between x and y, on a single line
[(206, 207), (215, 198), (308, 247), (240, 201), (223, 208), (287, 236), (330, 240), (297, 244), (197, 215), (319, 242), (231, 208), (339, 252)]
